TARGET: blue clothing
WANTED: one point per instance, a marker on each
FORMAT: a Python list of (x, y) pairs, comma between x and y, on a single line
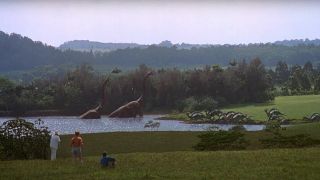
[(106, 160)]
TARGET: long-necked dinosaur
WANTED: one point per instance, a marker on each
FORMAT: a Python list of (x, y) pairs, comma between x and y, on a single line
[(96, 112), (133, 108)]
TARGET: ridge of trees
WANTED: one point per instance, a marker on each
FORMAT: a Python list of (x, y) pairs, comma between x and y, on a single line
[(21, 53), (86, 45)]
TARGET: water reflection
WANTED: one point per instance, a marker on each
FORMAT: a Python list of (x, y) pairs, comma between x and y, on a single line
[(69, 124)]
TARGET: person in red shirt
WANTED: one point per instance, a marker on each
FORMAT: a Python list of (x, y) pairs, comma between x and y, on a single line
[(76, 146)]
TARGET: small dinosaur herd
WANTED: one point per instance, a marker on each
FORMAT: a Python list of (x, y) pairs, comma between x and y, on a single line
[(231, 116)]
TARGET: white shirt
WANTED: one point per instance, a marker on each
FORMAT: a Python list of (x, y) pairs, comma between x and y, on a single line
[(54, 141)]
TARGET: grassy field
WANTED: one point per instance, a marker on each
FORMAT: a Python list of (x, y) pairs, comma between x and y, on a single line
[(128, 142), (131, 142), (259, 164), (169, 155), (295, 107)]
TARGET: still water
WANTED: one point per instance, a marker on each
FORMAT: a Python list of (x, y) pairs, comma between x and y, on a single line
[(69, 124)]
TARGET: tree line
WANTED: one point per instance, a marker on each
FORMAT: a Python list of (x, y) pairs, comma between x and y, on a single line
[(209, 87), (21, 53)]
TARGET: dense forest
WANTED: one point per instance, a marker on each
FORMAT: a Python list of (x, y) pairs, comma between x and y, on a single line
[(21, 53), (167, 89)]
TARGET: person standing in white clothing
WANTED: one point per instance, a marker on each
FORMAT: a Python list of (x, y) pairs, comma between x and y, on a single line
[(54, 143)]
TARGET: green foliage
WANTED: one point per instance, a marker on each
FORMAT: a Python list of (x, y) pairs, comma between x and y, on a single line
[(317, 84), (294, 141), (20, 53), (282, 72), (200, 89), (20, 139), (221, 140), (199, 104), (273, 126), (7, 94)]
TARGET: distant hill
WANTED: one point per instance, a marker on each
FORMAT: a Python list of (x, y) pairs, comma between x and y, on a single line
[(18, 53), (21, 53), (297, 42), (86, 45)]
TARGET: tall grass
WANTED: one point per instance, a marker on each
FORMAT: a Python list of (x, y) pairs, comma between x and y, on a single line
[(260, 164)]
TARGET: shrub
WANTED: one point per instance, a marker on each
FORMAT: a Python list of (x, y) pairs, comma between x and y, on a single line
[(273, 126), (198, 104), (221, 140), (295, 141), (20, 139)]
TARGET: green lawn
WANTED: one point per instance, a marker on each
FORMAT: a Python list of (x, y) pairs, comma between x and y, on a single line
[(131, 142), (128, 142), (169, 155), (295, 107), (259, 164)]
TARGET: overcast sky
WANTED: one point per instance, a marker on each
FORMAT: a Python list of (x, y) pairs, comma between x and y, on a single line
[(147, 22)]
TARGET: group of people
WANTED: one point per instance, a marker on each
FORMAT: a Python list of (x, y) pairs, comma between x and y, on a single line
[(76, 149)]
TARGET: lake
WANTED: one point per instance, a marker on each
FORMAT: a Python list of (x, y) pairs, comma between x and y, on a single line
[(69, 124)]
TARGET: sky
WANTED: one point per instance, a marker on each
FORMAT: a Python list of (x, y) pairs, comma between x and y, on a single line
[(150, 22)]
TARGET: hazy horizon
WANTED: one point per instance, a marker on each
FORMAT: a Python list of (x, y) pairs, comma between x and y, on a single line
[(150, 22)]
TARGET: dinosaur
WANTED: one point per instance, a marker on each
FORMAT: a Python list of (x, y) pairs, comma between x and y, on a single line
[(96, 112), (313, 117), (133, 108), (274, 114), (196, 115), (152, 124)]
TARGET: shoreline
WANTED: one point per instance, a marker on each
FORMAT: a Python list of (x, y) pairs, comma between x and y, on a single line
[(164, 116), (209, 121), (58, 113), (252, 122)]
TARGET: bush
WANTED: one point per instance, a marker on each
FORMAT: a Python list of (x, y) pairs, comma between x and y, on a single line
[(20, 139), (273, 126), (221, 140), (295, 141), (198, 104)]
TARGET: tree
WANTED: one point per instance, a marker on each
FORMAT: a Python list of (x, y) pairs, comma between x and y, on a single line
[(299, 80), (317, 84), (282, 72), (7, 94), (258, 83)]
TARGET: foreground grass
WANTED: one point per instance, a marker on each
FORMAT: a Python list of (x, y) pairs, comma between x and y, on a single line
[(130, 142), (295, 107), (169, 155), (259, 164)]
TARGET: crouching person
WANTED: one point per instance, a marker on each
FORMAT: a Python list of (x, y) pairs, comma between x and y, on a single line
[(107, 161)]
